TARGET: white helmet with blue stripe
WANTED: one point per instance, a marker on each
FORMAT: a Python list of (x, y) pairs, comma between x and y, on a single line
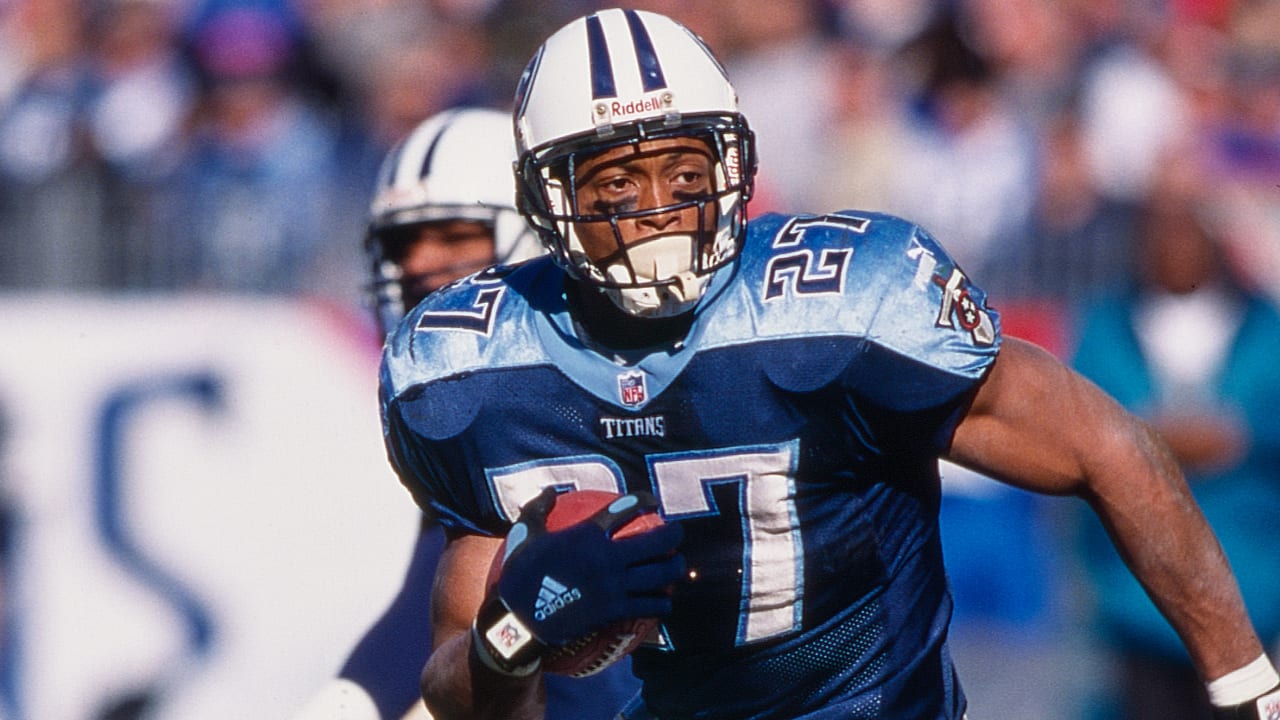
[(619, 77), (455, 165)]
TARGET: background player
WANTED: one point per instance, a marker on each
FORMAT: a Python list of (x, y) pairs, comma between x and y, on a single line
[(798, 379), (443, 208)]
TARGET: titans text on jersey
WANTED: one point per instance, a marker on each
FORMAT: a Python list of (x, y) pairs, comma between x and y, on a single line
[(794, 433), (652, 426)]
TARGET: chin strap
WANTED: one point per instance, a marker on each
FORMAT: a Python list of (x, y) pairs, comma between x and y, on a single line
[(665, 259), (660, 302)]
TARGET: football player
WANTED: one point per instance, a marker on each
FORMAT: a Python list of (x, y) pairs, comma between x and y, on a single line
[(443, 208), (782, 389)]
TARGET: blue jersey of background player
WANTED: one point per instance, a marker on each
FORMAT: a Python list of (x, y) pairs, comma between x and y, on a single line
[(443, 208), (780, 392)]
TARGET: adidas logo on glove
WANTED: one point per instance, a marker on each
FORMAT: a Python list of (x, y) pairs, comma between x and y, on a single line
[(553, 596)]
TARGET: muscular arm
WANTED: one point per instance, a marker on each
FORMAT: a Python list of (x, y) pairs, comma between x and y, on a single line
[(1040, 426), (454, 683)]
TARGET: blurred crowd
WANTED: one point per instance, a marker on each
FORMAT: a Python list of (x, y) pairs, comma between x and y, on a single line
[(231, 145)]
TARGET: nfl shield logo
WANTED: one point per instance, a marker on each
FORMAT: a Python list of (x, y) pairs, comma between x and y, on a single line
[(1270, 707), (510, 635), (631, 389)]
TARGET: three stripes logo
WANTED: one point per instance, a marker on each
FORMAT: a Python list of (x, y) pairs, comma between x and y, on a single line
[(552, 597)]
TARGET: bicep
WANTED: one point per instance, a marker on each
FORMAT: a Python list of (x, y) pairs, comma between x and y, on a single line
[(454, 682), (1037, 424)]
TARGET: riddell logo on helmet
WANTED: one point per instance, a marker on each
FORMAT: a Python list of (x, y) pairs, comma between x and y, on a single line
[(636, 107), (732, 166)]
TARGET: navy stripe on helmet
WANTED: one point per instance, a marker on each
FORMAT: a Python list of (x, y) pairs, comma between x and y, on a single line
[(391, 166), (526, 82), (602, 82), (650, 68), (430, 156)]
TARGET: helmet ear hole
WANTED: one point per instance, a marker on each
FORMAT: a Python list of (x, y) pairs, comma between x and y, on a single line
[(395, 242)]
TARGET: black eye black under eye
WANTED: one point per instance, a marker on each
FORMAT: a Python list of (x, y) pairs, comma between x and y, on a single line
[(605, 207)]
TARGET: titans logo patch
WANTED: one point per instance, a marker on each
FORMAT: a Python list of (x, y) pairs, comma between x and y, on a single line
[(959, 308)]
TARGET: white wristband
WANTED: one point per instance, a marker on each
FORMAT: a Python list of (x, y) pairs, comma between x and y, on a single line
[(1243, 684)]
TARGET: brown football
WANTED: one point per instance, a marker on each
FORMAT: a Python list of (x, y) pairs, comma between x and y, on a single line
[(595, 652)]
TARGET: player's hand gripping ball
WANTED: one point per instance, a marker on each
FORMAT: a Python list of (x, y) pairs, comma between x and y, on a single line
[(590, 573)]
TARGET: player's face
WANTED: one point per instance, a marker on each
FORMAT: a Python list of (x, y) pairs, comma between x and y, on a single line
[(442, 252), (647, 175)]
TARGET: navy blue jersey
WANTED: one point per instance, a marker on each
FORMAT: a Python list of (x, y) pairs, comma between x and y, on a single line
[(794, 433)]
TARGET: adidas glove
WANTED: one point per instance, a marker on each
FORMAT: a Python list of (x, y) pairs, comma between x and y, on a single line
[(557, 587)]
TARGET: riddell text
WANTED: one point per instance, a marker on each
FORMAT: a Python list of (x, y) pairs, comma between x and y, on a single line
[(635, 106)]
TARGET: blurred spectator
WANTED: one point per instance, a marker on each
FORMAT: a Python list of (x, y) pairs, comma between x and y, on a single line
[(881, 25), (1033, 48), (1246, 145), (704, 17), (38, 117), (141, 89), (141, 93), (868, 128), (933, 110), (1080, 240), (50, 206), (250, 209), (514, 29), (967, 168), (1130, 105), (348, 37), (1193, 351), (777, 62)]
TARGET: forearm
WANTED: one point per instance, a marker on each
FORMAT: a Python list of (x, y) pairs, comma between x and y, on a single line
[(456, 685), (1044, 428), (1162, 535)]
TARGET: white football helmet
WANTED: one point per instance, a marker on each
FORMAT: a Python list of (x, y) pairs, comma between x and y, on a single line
[(618, 77), (456, 165)]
